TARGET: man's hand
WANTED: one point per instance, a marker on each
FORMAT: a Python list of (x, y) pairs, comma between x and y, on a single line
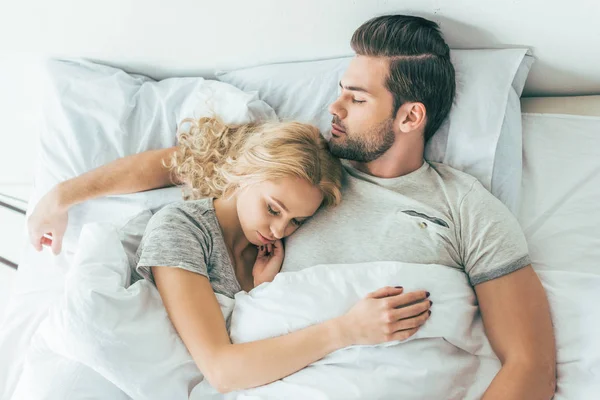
[(268, 262), (131, 174), (49, 218)]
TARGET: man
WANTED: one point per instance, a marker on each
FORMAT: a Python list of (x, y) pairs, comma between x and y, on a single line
[(394, 96)]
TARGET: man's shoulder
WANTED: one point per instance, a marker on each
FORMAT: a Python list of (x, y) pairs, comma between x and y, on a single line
[(451, 175), (466, 191), (455, 182)]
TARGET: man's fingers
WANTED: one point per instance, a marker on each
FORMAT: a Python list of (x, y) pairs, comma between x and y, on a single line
[(37, 239), (56, 243), (37, 245), (34, 237), (385, 292)]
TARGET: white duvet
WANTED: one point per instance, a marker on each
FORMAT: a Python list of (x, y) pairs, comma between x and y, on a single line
[(106, 340)]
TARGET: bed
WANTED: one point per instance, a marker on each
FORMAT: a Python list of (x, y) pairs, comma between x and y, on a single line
[(559, 213)]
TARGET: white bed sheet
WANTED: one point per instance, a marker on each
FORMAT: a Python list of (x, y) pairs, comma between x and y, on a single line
[(560, 214)]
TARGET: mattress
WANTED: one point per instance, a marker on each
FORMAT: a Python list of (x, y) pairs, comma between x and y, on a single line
[(559, 213)]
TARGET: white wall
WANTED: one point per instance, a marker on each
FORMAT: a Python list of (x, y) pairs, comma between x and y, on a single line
[(194, 36)]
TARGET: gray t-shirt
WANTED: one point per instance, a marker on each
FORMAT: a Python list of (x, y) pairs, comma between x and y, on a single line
[(187, 235), (434, 215)]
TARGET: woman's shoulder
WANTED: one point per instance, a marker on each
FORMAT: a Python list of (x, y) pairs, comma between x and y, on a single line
[(199, 213)]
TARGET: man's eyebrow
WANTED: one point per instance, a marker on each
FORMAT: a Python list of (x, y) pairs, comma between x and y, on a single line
[(280, 204), (354, 88)]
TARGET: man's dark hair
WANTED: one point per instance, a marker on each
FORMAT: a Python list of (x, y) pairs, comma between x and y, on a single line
[(420, 66)]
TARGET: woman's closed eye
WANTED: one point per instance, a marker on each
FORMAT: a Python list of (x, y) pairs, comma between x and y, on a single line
[(272, 211), (355, 101), (294, 221)]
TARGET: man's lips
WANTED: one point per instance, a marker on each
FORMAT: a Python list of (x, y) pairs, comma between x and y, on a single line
[(337, 130)]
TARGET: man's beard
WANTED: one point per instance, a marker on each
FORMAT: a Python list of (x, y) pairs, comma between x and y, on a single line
[(367, 147)]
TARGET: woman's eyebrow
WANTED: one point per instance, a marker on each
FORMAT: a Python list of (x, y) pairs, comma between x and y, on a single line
[(280, 204)]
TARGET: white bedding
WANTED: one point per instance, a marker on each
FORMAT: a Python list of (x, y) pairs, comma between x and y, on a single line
[(559, 213), (451, 349), (124, 335), (103, 339)]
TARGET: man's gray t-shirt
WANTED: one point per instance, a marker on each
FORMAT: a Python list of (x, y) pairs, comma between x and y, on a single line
[(434, 215), (187, 235)]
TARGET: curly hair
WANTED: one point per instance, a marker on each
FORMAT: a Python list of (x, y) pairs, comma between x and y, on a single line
[(214, 159)]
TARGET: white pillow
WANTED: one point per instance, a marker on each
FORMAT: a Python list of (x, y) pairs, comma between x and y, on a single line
[(94, 114), (482, 135)]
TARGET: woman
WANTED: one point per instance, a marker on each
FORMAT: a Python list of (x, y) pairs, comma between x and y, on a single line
[(257, 183)]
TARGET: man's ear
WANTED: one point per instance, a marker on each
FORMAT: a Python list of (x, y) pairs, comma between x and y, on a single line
[(410, 117)]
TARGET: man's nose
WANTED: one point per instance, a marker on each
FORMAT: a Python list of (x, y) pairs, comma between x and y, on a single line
[(336, 109)]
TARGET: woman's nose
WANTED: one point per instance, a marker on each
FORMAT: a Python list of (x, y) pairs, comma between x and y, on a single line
[(278, 230)]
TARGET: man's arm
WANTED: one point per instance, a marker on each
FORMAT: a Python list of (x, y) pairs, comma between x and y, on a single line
[(516, 316), (131, 174)]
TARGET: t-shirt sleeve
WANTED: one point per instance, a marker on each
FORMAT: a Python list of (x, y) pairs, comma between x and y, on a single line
[(491, 241), (174, 238)]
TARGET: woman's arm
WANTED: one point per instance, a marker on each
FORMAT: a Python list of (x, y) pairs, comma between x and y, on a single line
[(131, 174), (195, 313)]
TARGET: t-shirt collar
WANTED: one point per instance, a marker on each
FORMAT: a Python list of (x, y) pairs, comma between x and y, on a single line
[(413, 177)]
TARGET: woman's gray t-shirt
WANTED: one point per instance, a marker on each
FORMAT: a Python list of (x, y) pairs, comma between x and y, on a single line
[(187, 235)]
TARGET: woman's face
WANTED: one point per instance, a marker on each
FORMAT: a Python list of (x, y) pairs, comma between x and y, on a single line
[(272, 210)]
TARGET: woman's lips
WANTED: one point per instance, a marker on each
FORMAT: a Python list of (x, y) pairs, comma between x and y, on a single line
[(264, 239)]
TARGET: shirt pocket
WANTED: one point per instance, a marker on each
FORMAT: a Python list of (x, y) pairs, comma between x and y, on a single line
[(428, 238)]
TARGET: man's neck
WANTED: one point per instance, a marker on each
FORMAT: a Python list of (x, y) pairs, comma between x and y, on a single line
[(401, 159)]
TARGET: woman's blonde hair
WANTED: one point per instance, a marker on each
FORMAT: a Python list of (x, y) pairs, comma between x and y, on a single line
[(214, 159)]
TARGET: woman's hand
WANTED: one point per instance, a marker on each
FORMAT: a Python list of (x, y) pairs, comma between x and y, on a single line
[(49, 218), (268, 262), (386, 315)]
